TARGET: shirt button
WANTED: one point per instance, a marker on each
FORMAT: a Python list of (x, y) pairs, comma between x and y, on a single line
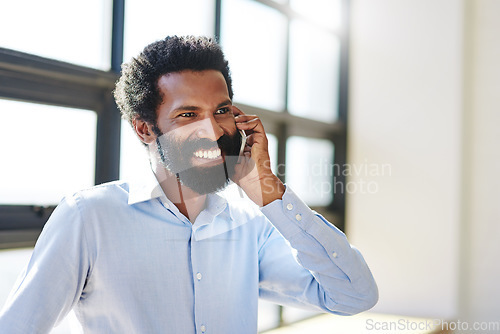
[(334, 254), (298, 216), (289, 206), (203, 328), (199, 276)]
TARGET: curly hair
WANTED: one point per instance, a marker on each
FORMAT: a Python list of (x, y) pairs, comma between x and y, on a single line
[(137, 93)]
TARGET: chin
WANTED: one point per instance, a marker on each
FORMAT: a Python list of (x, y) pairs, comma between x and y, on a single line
[(205, 180)]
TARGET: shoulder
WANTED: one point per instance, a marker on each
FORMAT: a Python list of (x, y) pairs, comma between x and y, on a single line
[(79, 209), (106, 191), (103, 196)]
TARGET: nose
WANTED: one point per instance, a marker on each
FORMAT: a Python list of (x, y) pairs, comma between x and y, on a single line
[(209, 128)]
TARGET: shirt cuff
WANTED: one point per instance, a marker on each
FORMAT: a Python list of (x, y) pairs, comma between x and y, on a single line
[(294, 220), (292, 208)]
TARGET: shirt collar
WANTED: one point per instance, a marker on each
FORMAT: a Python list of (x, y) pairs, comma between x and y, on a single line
[(147, 187), (144, 188), (219, 217)]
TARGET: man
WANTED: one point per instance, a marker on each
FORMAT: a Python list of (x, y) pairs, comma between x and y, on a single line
[(171, 254)]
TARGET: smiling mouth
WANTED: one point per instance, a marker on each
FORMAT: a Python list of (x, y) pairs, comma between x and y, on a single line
[(212, 154)]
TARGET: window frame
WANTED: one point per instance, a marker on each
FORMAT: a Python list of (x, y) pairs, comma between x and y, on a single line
[(284, 124), (30, 78)]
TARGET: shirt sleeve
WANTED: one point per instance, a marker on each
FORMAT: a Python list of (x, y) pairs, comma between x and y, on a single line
[(321, 271), (54, 278)]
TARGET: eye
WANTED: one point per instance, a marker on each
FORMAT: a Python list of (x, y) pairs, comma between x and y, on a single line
[(187, 114), (222, 111)]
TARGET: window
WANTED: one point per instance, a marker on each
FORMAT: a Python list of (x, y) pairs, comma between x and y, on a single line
[(62, 132), (165, 18), (72, 31), (258, 65), (309, 170), (288, 62), (51, 152), (57, 71), (313, 78)]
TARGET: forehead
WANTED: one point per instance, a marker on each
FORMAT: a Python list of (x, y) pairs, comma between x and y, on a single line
[(197, 88)]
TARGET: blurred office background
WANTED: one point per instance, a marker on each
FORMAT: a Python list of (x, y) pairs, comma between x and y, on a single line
[(381, 114)]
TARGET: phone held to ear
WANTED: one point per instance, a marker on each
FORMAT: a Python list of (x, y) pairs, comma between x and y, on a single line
[(243, 141)]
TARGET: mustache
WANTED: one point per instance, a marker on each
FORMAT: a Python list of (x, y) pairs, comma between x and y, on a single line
[(225, 143)]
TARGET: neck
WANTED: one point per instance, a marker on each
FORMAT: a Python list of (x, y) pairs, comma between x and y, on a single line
[(189, 203)]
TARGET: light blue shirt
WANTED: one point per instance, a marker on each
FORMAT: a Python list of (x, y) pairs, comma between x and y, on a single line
[(125, 260)]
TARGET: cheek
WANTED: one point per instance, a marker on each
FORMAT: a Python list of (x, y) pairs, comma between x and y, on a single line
[(229, 126), (172, 140), (179, 132)]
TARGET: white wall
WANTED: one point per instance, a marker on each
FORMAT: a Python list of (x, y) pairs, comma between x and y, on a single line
[(414, 107), (480, 288)]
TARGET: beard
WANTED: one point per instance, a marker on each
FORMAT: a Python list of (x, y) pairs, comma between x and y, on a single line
[(176, 156)]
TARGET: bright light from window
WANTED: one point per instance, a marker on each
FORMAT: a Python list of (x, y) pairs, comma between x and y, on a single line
[(308, 171), (47, 152), (147, 21), (254, 41), (72, 31), (272, 146), (134, 160), (325, 12), (313, 79)]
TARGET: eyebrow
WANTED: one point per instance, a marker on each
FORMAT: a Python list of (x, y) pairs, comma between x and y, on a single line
[(225, 103), (194, 108)]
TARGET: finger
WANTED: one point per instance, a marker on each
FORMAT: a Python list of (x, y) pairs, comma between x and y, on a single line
[(237, 111), (245, 118), (256, 138), (249, 123), (250, 140)]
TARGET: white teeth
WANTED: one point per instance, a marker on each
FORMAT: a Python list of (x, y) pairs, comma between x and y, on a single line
[(213, 154)]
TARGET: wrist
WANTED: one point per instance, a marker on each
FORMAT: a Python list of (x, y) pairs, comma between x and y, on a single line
[(272, 189)]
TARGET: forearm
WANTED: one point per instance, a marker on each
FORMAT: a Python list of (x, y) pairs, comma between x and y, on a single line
[(337, 267)]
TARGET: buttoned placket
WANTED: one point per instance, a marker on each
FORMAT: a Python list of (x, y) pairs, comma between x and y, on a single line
[(201, 327), (198, 284), (171, 207), (198, 276)]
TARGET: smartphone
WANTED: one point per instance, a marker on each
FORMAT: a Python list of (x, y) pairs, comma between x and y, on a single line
[(243, 141)]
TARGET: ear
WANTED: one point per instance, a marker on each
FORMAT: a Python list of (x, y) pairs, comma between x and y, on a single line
[(144, 131)]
